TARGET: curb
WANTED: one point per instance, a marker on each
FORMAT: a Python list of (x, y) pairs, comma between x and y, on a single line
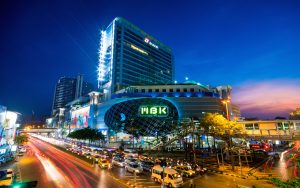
[(221, 172)]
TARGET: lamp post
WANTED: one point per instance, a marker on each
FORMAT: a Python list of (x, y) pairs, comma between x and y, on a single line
[(226, 105)]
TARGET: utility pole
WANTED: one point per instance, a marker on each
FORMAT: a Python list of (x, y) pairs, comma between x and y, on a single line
[(222, 157), (193, 135), (240, 162), (186, 143)]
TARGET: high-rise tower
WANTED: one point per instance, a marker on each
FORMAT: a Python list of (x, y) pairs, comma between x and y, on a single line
[(130, 56), (68, 89)]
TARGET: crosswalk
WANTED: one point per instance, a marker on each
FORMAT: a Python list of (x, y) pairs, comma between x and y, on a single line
[(140, 182)]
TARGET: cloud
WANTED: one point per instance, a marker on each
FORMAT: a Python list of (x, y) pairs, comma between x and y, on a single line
[(267, 99)]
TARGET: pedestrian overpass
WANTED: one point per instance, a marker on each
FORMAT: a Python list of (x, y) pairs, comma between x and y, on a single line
[(285, 130), (42, 130)]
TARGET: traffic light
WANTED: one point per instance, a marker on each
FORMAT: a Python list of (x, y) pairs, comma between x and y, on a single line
[(163, 163)]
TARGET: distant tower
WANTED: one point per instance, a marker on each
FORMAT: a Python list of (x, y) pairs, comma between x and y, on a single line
[(68, 89), (224, 91)]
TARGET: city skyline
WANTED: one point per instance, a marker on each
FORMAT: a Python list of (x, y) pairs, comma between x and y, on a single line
[(251, 46)]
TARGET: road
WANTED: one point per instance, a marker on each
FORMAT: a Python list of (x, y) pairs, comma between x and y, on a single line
[(54, 168)]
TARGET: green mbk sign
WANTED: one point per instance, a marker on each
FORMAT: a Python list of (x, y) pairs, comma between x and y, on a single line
[(153, 110)]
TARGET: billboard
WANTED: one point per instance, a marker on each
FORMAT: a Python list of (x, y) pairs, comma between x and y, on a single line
[(79, 117), (2, 114)]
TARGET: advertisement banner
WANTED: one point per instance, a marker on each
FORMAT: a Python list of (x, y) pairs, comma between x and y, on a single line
[(79, 117)]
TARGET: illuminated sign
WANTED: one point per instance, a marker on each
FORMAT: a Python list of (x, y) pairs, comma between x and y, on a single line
[(159, 111), (79, 117), (138, 49), (147, 40)]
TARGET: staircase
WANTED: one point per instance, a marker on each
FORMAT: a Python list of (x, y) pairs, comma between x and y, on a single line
[(172, 139)]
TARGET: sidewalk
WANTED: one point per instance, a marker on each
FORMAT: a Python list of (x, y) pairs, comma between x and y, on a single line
[(242, 173)]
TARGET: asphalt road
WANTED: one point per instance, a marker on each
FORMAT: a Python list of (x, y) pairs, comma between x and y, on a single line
[(54, 168)]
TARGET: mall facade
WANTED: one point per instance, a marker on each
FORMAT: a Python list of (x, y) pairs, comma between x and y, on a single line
[(153, 109)]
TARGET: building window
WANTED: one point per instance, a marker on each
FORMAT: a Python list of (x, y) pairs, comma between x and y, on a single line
[(164, 90), (149, 90), (249, 126), (283, 126), (171, 90), (156, 90), (177, 90), (192, 89), (184, 89), (136, 90), (143, 90)]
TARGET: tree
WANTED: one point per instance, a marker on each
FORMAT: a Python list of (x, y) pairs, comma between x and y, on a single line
[(21, 139), (87, 134), (164, 139), (217, 126), (122, 145), (213, 124), (133, 129), (286, 184)]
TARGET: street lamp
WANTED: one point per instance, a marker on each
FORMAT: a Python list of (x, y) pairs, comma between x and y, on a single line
[(226, 105)]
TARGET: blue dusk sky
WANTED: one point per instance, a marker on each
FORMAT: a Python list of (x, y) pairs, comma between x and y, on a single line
[(254, 46)]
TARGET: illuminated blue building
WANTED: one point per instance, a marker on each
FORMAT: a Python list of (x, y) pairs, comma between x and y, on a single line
[(129, 56), (155, 108)]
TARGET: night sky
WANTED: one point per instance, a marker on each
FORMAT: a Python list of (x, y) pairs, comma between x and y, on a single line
[(252, 45)]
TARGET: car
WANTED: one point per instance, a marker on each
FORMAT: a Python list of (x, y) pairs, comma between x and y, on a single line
[(171, 177), (118, 161), (130, 153), (3, 173), (87, 155), (7, 179), (3, 160), (96, 157), (22, 150), (260, 153), (200, 170), (133, 168), (104, 163), (185, 171), (147, 166), (120, 155), (131, 160), (276, 156)]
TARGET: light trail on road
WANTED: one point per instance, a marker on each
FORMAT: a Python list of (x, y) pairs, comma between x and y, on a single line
[(52, 172), (76, 172)]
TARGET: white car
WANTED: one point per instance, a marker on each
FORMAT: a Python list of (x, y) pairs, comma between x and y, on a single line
[(133, 167), (118, 162), (131, 153), (131, 161), (22, 150)]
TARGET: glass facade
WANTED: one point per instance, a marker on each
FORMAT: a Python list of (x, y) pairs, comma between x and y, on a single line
[(127, 116), (129, 56)]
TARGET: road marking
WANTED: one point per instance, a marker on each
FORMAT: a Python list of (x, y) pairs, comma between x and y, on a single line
[(130, 176), (147, 182), (138, 179), (242, 186)]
